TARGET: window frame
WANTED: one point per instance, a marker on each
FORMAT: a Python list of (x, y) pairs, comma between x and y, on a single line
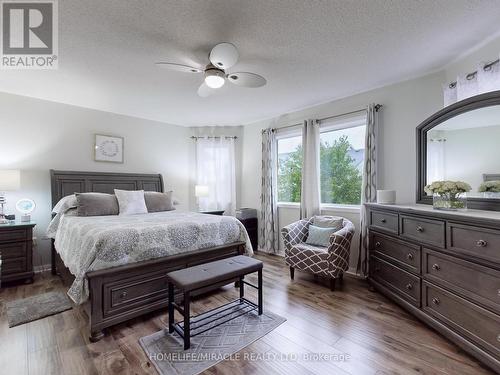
[(337, 124), (289, 132)]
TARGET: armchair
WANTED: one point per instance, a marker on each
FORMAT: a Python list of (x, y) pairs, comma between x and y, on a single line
[(331, 261)]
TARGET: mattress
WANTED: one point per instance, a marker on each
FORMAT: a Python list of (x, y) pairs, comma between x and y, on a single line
[(101, 242)]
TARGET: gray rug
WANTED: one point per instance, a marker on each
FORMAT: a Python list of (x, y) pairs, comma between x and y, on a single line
[(33, 308), (166, 351)]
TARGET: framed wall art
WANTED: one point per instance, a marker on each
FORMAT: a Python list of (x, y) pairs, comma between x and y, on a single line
[(108, 148)]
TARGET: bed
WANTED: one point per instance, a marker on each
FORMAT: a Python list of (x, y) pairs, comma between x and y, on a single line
[(115, 291)]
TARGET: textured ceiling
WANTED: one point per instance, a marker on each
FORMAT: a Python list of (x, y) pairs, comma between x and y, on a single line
[(309, 51)]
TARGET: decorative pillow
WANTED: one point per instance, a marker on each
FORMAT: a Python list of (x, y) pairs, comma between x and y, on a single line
[(319, 236), (64, 204), (131, 202), (96, 204), (157, 202), (335, 222)]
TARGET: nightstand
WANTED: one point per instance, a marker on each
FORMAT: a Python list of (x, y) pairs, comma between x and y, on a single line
[(16, 251), (251, 225), (216, 212)]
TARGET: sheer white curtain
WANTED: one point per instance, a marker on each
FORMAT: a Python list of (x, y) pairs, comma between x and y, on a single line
[(435, 158), (310, 194), (485, 79), (215, 168)]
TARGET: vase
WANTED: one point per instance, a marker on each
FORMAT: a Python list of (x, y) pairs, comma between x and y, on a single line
[(449, 201)]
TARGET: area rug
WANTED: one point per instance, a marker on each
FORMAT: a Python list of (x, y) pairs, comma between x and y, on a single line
[(167, 354), (37, 307)]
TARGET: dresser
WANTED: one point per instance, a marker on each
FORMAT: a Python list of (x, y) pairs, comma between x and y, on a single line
[(443, 267), (16, 251)]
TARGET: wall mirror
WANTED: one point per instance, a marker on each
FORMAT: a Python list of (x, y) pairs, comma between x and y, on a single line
[(462, 143)]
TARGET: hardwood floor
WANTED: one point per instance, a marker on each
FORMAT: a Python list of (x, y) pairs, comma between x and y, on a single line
[(378, 336)]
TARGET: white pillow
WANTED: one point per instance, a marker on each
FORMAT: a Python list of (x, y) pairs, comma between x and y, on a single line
[(64, 204), (335, 222), (131, 202)]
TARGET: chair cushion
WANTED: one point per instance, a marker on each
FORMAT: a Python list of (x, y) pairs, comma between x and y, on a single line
[(319, 236), (336, 222), (308, 258)]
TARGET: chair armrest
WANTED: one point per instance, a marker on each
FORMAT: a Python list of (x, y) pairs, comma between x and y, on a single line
[(340, 248), (295, 233)]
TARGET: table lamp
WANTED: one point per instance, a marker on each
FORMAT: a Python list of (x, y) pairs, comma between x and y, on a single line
[(10, 179), (200, 191)]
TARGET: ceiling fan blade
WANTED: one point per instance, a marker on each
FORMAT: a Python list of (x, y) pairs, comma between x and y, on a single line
[(205, 91), (179, 67), (246, 79), (224, 55)]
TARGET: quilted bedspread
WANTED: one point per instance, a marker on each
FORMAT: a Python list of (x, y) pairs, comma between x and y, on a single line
[(100, 242)]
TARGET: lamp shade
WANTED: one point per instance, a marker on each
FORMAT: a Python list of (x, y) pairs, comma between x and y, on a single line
[(10, 179), (201, 191)]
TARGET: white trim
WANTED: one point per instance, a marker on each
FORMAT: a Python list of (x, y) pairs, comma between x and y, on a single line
[(288, 205), (349, 208), (42, 268), (350, 121)]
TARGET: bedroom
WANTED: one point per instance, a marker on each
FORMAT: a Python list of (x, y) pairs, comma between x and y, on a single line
[(324, 63)]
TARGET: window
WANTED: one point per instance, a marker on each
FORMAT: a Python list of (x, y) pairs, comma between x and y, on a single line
[(289, 168), (342, 151)]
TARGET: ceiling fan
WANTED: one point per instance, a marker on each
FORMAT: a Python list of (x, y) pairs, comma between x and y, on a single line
[(222, 57)]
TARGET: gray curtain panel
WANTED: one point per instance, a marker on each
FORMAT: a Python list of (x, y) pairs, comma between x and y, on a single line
[(268, 231), (310, 193), (369, 184)]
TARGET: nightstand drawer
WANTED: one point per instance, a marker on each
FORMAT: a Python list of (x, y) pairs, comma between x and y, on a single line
[(13, 265), (13, 250), (13, 235)]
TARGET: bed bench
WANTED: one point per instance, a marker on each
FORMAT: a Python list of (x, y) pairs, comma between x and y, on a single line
[(218, 273)]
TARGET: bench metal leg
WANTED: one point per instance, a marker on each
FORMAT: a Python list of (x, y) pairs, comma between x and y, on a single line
[(260, 291), (171, 308), (187, 330), (242, 287)]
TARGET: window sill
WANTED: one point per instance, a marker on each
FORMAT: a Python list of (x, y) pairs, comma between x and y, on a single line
[(341, 208), (288, 205)]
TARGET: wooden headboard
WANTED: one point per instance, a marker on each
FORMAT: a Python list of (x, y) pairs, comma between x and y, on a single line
[(65, 183)]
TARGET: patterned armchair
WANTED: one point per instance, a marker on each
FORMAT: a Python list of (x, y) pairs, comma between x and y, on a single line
[(331, 261)]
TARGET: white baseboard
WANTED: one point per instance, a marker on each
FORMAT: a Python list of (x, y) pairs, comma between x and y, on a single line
[(42, 268)]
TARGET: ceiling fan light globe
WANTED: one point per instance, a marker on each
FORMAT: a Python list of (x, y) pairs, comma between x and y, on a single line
[(214, 79)]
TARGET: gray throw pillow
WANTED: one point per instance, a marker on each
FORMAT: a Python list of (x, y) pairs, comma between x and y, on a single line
[(158, 202), (96, 204), (335, 222)]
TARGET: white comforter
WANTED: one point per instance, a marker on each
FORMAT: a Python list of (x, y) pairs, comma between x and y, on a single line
[(99, 242)]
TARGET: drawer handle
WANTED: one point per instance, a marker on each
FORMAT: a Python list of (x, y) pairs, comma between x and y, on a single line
[(409, 286), (436, 267), (420, 229), (410, 256), (383, 221), (481, 243), (123, 294), (377, 244), (436, 301)]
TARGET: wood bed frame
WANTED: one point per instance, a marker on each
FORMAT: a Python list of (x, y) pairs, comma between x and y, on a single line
[(121, 293)]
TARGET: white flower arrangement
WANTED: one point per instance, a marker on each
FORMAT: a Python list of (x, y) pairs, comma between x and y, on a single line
[(451, 188), (490, 187)]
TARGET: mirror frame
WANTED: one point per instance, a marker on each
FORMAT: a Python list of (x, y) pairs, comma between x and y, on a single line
[(480, 101)]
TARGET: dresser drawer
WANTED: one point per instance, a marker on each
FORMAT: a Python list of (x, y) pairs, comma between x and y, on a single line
[(384, 220), (13, 265), (9, 235), (404, 254), (403, 283), (472, 321), (13, 250), (478, 283), (477, 242), (427, 231)]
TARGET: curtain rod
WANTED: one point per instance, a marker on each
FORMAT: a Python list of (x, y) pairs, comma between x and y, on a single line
[(226, 137), (471, 75), (377, 107)]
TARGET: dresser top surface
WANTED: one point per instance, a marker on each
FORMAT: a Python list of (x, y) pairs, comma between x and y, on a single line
[(427, 209)]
